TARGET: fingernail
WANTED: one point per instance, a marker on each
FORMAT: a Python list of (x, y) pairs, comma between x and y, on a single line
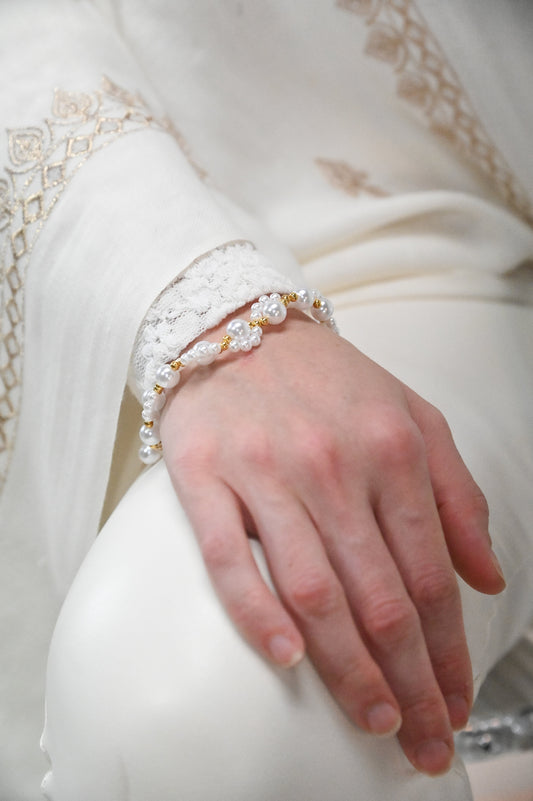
[(433, 757), (458, 710), (497, 566), (284, 652), (383, 719)]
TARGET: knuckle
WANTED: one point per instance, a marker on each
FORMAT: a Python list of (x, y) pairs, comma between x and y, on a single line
[(315, 594), (436, 420), (254, 448), (394, 439), (435, 591), (215, 551), (391, 622), (192, 460), (424, 706), (318, 452), (479, 505), (247, 610)]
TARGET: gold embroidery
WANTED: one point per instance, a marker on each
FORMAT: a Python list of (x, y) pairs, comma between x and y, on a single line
[(42, 163), (399, 36), (355, 182)]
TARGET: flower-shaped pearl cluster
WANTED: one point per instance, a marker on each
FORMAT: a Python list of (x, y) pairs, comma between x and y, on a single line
[(241, 335)]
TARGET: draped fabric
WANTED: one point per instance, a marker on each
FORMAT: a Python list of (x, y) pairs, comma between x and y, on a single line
[(377, 148)]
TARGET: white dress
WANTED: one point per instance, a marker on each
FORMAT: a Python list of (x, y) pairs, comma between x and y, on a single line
[(378, 150)]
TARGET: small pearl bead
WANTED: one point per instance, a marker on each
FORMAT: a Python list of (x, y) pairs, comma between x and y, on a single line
[(149, 435), (275, 296), (256, 315), (238, 329), (149, 455), (246, 345), (234, 346), (167, 377), (324, 312), (305, 298), (275, 312), (263, 299)]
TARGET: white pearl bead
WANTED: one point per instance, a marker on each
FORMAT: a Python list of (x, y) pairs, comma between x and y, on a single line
[(305, 298), (246, 345), (185, 358), (149, 435), (256, 315), (275, 312), (234, 346), (167, 377), (238, 329), (263, 299), (275, 296), (323, 312), (149, 455)]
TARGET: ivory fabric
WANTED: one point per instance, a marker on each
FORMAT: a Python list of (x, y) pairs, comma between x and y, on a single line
[(375, 148), (194, 713)]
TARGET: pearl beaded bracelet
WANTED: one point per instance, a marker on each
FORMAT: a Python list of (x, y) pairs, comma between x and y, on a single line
[(241, 335)]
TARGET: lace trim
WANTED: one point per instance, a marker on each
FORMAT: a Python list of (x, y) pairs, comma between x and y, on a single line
[(42, 162), (214, 286)]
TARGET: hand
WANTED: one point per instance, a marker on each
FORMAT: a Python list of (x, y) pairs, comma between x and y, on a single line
[(363, 506)]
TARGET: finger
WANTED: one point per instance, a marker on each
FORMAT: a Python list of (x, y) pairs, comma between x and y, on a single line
[(462, 506), (393, 633), (410, 523), (215, 516), (311, 591)]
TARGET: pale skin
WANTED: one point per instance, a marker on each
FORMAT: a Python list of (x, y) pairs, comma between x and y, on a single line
[(365, 511)]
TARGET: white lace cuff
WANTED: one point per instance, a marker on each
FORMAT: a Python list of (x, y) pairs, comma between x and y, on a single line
[(214, 286)]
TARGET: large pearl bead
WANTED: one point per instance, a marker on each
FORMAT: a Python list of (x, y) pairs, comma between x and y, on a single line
[(149, 455), (323, 312), (167, 377), (274, 311), (149, 435)]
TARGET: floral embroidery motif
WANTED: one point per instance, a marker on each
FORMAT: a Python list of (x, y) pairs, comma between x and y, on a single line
[(399, 36), (343, 176), (42, 164)]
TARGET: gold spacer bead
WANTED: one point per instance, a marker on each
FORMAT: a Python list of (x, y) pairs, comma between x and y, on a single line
[(175, 365), (293, 297), (317, 303), (285, 299), (158, 389), (224, 345), (157, 447), (148, 424)]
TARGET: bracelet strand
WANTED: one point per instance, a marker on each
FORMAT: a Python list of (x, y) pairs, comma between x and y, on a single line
[(241, 335)]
